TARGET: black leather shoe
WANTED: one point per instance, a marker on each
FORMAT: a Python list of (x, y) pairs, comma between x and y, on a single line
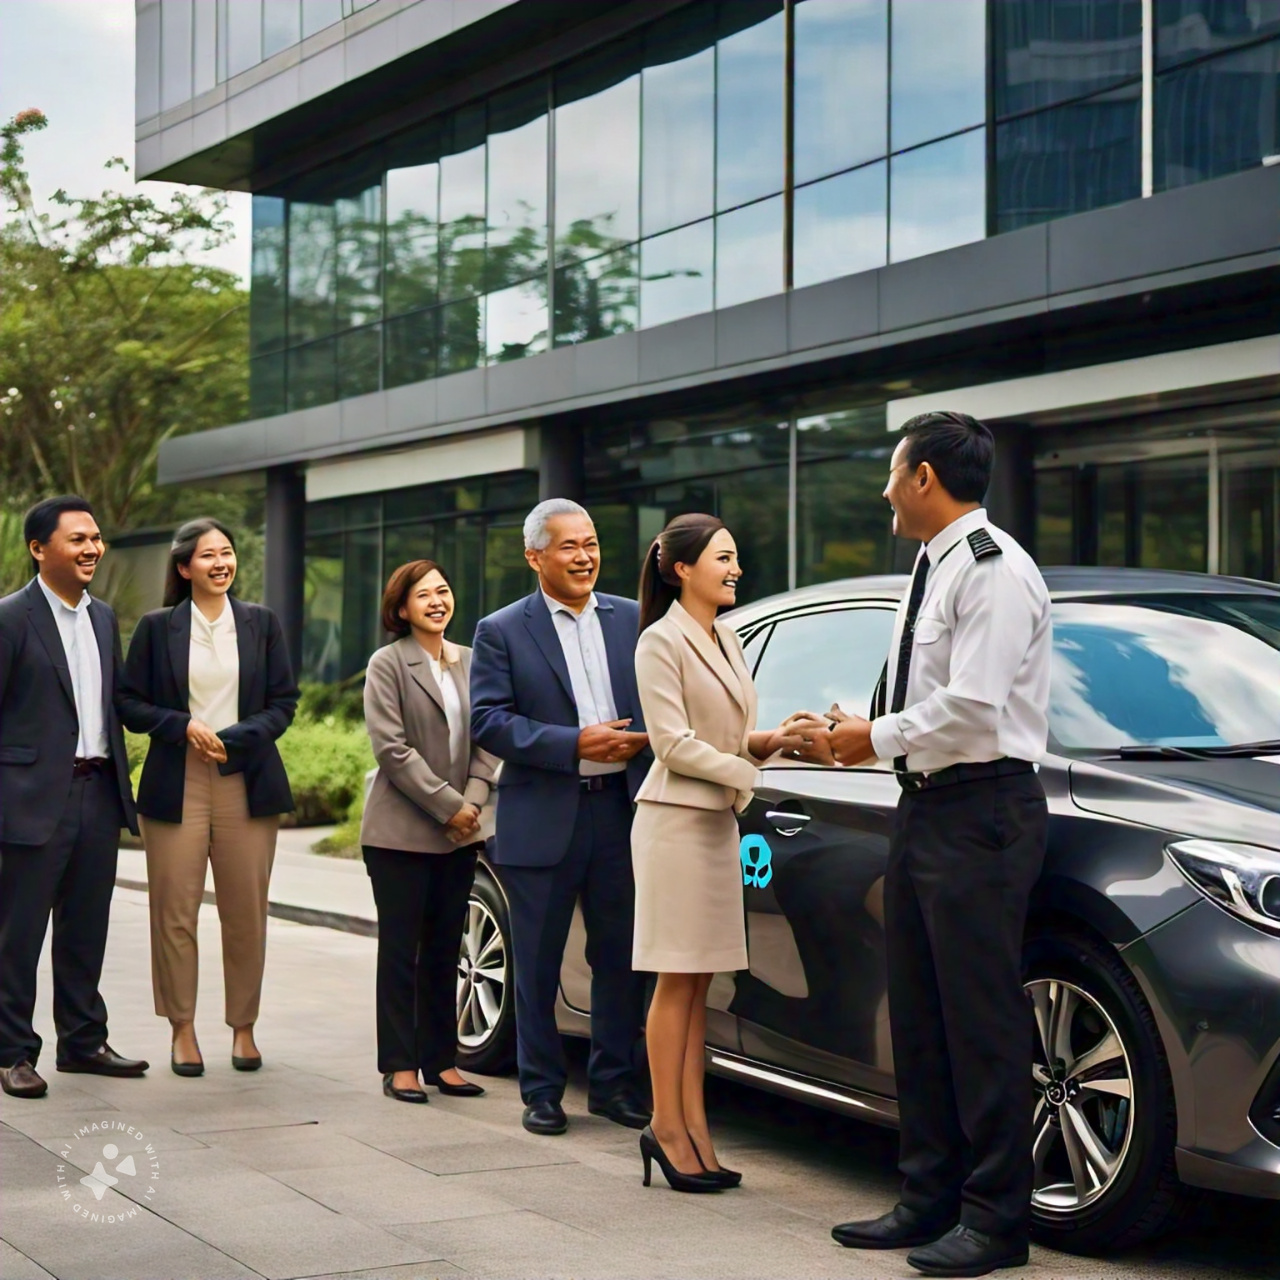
[(401, 1095), (464, 1090), (966, 1252), (900, 1228), (622, 1108), (21, 1081), (546, 1117), (106, 1062)]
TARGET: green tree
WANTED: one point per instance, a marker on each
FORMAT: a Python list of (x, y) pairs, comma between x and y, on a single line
[(111, 339)]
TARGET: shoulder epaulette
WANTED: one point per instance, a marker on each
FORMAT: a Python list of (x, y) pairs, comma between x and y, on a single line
[(983, 545)]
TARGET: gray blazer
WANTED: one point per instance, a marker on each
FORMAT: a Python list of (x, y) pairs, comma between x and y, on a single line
[(418, 786)]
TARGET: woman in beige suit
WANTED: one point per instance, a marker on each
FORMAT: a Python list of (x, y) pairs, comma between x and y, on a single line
[(421, 830), (700, 712)]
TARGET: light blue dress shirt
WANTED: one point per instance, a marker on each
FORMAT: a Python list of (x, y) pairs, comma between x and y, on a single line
[(80, 644)]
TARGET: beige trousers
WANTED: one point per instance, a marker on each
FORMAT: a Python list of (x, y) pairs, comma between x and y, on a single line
[(215, 828)]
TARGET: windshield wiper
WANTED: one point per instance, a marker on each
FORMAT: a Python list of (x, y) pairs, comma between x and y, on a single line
[(1154, 752)]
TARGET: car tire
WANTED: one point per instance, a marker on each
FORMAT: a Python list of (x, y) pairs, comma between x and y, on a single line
[(1105, 1122), (486, 987)]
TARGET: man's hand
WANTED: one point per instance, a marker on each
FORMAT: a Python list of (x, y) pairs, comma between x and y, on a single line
[(850, 738), (814, 745), (209, 747), (608, 743), (464, 824)]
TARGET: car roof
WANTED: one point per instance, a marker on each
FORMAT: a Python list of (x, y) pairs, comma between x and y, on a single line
[(1065, 582)]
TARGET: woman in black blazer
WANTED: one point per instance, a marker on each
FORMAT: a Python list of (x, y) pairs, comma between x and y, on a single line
[(209, 678)]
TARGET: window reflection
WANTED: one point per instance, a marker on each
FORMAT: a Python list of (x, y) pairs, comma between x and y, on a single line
[(516, 322), (312, 251), (749, 88), (679, 106), (1187, 29), (461, 333), (676, 277), (281, 25), (841, 225), (462, 204), (749, 252), (244, 35), (410, 348), (920, 221), (318, 14), (1083, 155), (517, 197), (841, 85), (359, 355), (598, 153), (147, 83), (267, 266), (311, 375), (1048, 51), (938, 62), (1218, 116), (358, 230), (266, 385), (175, 56), (598, 298), (412, 231)]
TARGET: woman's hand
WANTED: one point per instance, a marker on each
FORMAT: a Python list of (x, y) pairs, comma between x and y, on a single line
[(209, 747), (766, 742), (464, 824)]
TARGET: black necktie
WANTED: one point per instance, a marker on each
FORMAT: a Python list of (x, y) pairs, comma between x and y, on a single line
[(903, 669)]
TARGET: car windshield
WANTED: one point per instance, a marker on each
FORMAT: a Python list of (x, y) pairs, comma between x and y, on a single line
[(1171, 671)]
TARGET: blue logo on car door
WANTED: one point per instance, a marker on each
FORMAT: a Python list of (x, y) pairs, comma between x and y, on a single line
[(757, 861)]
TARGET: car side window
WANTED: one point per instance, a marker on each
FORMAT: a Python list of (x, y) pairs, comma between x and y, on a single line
[(816, 659)]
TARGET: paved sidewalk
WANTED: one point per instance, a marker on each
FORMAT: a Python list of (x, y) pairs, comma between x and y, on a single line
[(304, 1169)]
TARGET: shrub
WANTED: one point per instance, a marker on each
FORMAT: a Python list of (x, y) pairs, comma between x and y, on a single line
[(344, 700), (326, 761)]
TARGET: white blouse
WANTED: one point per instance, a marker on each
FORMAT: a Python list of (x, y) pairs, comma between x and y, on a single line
[(213, 678), (452, 705)]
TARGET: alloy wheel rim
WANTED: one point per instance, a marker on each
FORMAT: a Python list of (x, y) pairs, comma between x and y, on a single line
[(1083, 1119), (482, 976)]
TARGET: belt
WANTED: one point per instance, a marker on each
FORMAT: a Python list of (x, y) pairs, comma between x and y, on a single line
[(82, 768), (599, 781), (955, 773)]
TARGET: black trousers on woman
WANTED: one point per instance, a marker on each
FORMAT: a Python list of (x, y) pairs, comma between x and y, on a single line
[(422, 903)]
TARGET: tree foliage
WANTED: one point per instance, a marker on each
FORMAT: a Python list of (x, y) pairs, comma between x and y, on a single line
[(111, 341)]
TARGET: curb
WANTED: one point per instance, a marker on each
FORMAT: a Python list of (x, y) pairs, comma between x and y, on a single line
[(287, 911)]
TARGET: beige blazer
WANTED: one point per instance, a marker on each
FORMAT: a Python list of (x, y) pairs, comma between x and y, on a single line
[(418, 786), (699, 708)]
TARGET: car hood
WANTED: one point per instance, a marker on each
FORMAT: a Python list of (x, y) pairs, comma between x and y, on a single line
[(1235, 799)]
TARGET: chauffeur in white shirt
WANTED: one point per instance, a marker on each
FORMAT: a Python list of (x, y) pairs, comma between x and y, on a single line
[(967, 686)]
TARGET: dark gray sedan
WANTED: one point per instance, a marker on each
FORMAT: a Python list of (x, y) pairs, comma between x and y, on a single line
[(1153, 948)]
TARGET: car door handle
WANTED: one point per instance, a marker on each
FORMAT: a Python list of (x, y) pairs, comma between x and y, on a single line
[(786, 823)]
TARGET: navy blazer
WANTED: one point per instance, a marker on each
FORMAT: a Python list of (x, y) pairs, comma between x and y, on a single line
[(523, 711), (155, 699), (39, 727)]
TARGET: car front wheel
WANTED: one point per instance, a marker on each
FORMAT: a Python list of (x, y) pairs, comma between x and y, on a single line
[(486, 989), (1104, 1122)]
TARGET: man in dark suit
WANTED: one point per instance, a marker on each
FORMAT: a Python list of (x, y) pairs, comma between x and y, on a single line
[(64, 795), (553, 695)]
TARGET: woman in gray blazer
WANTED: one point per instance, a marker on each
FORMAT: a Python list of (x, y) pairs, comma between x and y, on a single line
[(421, 830)]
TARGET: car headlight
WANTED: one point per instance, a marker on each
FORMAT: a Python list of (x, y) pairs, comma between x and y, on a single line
[(1242, 878)]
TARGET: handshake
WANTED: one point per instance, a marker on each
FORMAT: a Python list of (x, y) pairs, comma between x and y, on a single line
[(830, 739)]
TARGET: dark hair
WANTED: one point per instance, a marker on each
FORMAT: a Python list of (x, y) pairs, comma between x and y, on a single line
[(960, 449), (181, 549), (396, 596), (41, 522), (682, 542)]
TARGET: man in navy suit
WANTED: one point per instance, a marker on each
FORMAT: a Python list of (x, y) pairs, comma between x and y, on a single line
[(553, 695), (64, 795)]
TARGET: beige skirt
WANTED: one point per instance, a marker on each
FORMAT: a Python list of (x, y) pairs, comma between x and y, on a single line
[(689, 916)]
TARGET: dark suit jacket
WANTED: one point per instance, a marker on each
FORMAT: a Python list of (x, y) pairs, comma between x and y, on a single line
[(523, 711), (38, 722), (155, 699)]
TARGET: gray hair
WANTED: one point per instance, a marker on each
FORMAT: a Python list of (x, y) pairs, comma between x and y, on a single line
[(536, 536)]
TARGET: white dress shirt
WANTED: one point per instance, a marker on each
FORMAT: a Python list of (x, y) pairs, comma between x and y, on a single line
[(978, 683), (80, 645), (213, 674), (452, 707), (582, 640)]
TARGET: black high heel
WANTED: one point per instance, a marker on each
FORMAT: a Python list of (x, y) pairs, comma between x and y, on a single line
[(651, 1149), (727, 1178)]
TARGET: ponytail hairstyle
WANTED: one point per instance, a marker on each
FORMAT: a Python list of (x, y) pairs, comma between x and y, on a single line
[(682, 542), (176, 587)]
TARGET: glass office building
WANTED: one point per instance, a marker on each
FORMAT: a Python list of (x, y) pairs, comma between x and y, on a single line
[(705, 255)]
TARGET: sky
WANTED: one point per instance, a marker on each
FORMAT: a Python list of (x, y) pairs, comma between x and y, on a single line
[(73, 59)]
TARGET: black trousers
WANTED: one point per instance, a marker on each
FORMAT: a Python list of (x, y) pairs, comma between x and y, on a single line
[(422, 906), (597, 868), (962, 864), (71, 877)]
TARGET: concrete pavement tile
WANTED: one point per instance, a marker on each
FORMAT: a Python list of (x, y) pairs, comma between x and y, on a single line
[(420, 1271), (482, 1154), (480, 1243), (17, 1266), (307, 1147), (405, 1196)]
